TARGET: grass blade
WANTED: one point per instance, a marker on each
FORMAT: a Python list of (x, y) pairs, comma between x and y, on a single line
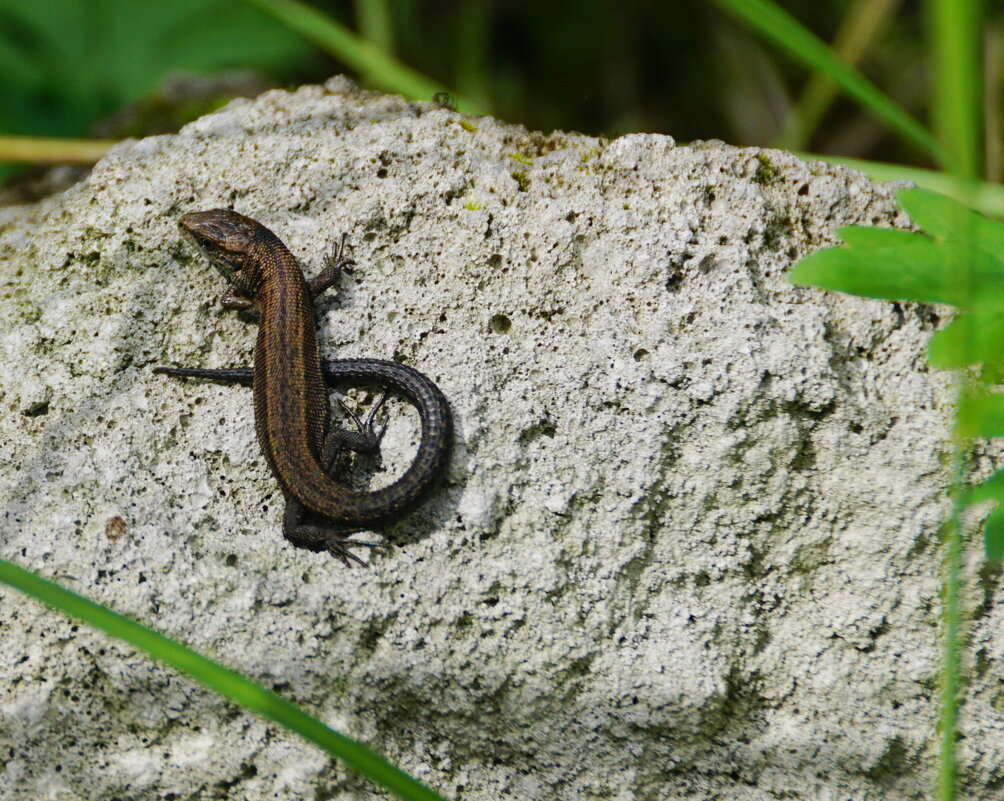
[(376, 24), (987, 198), (46, 150), (226, 682), (955, 31), (881, 263), (864, 21), (368, 59), (779, 27)]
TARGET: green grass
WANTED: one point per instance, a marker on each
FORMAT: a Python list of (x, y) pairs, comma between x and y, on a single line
[(372, 60), (980, 196), (778, 27), (242, 691)]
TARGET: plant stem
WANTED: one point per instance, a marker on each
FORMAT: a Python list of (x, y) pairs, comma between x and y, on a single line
[(49, 150), (948, 770), (954, 36)]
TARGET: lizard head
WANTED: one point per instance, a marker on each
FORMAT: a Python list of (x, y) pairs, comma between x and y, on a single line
[(226, 238)]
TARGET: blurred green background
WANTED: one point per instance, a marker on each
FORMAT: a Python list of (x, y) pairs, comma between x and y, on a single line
[(110, 68)]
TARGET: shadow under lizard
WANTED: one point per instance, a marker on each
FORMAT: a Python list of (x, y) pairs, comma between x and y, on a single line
[(292, 415)]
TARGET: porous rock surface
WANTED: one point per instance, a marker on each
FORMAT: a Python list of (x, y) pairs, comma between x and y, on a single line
[(687, 544)]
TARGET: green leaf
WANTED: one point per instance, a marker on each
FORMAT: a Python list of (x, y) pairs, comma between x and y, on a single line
[(973, 337), (993, 535), (951, 222), (881, 263), (966, 252), (973, 243), (990, 489), (980, 414)]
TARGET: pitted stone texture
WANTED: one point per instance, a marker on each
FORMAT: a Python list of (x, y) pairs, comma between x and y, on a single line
[(687, 547)]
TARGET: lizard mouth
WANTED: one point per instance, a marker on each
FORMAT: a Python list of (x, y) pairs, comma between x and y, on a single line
[(221, 235), (211, 251), (225, 269)]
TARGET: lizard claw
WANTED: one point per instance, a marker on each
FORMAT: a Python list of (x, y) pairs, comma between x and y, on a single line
[(340, 549)]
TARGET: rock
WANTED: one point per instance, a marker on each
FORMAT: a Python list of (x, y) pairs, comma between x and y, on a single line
[(687, 545)]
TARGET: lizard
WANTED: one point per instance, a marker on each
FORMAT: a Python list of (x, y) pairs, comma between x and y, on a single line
[(288, 380)]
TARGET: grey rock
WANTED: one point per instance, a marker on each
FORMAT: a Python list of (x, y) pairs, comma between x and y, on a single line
[(687, 545)]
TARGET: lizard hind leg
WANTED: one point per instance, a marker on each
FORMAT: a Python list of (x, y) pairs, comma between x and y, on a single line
[(331, 538), (365, 439), (317, 534)]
